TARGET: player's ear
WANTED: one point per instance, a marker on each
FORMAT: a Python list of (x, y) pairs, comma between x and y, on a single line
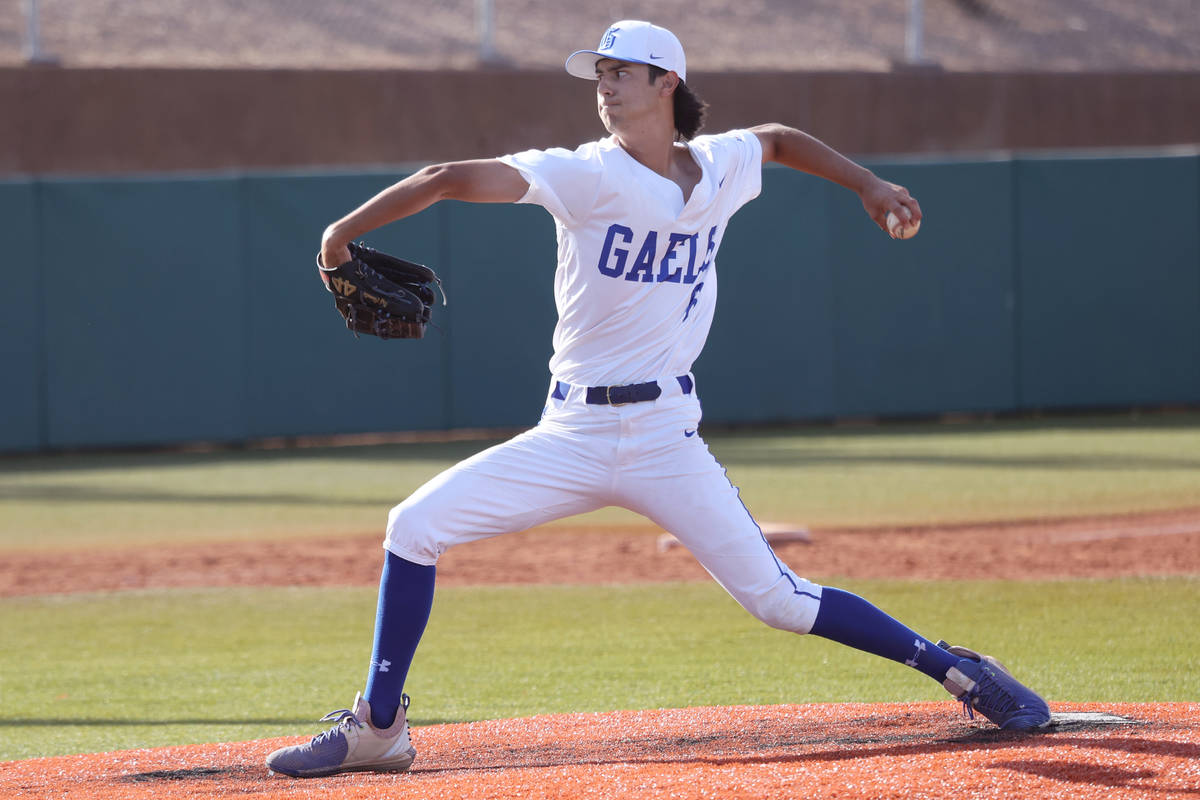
[(669, 82)]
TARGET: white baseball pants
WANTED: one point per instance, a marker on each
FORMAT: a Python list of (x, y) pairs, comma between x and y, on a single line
[(646, 457)]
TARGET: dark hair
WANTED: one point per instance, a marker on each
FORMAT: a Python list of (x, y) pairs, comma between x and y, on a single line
[(690, 110)]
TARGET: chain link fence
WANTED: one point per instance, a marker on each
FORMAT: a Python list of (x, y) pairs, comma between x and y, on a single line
[(718, 34)]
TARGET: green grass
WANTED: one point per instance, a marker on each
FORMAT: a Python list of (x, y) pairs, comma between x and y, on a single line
[(819, 476), (102, 672), (123, 498), (83, 673), (895, 474)]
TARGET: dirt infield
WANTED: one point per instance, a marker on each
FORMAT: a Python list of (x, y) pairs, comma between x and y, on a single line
[(1160, 543), (815, 751), (812, 751)]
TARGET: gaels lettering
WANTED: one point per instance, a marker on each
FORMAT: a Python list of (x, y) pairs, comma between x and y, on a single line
[(643, 265), (665, 276), (614, 256), (619, 254)]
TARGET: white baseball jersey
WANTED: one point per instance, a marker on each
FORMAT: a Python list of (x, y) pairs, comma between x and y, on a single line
[(635, 289), (636, 282)]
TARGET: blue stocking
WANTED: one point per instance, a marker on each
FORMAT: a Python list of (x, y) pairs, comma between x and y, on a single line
[(850, 620), (405, 599)]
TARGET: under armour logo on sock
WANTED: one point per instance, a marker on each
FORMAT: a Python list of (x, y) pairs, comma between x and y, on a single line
[(912, 662), (383, 665)]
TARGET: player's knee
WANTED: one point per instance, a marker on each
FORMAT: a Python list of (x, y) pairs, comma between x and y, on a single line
[(410, 534), (789, 605), (781, 615)]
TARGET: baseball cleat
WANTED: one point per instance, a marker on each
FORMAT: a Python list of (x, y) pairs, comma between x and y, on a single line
[(353, 744), (983, 684)]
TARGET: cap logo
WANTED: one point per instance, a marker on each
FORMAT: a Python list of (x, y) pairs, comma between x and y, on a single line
[(610, 38)]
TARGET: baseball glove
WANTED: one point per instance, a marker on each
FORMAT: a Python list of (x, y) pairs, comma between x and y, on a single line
[(382, 295)]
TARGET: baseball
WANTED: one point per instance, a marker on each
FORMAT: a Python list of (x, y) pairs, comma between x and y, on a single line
[(901, 230)]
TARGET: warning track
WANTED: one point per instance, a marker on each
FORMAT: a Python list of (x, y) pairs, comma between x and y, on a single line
[(818, 751)]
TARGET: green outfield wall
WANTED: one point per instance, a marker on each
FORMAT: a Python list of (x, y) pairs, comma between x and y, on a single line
[(168, 309)]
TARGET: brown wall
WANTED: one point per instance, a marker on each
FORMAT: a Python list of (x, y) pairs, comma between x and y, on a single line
[(57, 120)]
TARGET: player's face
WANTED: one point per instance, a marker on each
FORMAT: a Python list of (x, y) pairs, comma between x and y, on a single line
[(624, 93)]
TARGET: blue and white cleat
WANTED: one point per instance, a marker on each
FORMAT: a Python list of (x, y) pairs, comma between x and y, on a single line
[(983, 684), (353, 744)]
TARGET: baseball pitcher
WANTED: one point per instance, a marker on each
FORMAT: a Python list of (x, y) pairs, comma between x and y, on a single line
[(640, 216)]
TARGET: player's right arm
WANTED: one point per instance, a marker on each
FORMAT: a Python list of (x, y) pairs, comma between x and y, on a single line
[(480, 181), (798, 150)]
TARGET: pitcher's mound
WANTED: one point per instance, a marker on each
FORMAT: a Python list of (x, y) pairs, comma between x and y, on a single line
[(810, 751)]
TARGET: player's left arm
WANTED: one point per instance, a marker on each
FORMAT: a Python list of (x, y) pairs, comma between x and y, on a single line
[(798, 150), (486, 180)]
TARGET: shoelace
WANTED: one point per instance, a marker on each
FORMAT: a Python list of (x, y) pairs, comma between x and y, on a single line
[(342, 718), (995, 692)]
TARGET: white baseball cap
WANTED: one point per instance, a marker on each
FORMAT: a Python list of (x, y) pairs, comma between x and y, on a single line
[(635, 41)]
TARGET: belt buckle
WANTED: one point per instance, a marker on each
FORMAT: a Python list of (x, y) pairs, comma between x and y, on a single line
[(608, 396)]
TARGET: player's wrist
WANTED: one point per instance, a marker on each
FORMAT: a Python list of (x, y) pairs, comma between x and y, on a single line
[(334, 242), (335, 235), (862, 180)]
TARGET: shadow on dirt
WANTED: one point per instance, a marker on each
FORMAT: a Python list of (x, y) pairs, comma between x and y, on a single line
[(723, 750), (197, 773)]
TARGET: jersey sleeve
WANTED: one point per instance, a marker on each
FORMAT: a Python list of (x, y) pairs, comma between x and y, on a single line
[(564, 182), (741, 161)]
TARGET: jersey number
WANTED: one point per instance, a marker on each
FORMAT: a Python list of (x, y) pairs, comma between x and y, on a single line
[(692, 302)]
